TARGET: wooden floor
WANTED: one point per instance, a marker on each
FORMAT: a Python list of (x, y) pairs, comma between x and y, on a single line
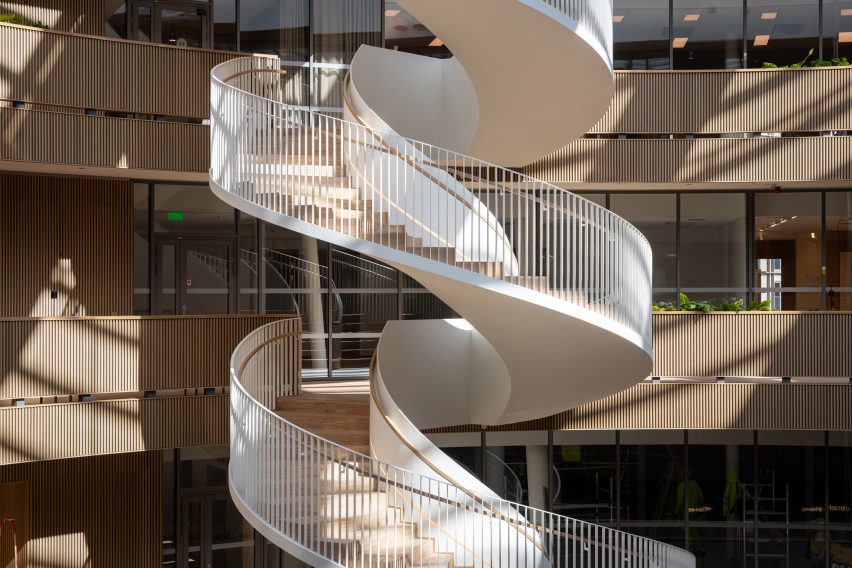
[(340, 411)]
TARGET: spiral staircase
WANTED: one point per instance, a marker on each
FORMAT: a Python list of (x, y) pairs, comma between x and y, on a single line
[(554, 290)]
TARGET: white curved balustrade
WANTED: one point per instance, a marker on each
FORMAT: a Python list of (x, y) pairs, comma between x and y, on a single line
[(555, 291), (331, 506)]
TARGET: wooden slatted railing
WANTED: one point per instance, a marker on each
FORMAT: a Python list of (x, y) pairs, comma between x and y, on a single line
[(82, 71), (42, 357), (717, 101), (753, 344)]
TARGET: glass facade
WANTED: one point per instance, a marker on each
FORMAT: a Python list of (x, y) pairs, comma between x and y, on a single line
[(781, 33), (641, 34), (735, 498), (695, 34), (707, 36), (791, 250)]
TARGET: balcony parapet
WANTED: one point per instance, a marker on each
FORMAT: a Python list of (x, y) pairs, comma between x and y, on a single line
[(105, 74)]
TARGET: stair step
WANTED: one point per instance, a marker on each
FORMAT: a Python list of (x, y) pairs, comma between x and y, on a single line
[(329, 403), (316, 419), (492, 269)]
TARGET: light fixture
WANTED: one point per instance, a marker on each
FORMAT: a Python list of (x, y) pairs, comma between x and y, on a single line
[(844, 37), (436, 43), (769, 15), (846, 12), (679, 42), (392, 13), (813, 235), (761, 40), (617, 19), (691, 17)]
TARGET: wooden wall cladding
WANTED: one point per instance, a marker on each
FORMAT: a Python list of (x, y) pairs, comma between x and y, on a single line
[(44, 137), (753, 344), (78, 16), (42, 357), (741, 100), (744, 406), (122, 76), (70, 235), (699, 160), (60, 431), (94, 512)]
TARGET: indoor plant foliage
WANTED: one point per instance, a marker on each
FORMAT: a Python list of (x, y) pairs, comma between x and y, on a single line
[(732, 305)]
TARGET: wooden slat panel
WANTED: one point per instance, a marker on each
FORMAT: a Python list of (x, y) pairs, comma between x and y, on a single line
[(79, 16), (118, 75), (68, 356), (100, 511), (70, 235), (753, 344), (59, 431), (700, 160), (704, 406), (43, 137), (739, 100), (15, 505)]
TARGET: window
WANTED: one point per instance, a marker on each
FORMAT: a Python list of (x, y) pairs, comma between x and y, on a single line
[(191, 209), (707, 36), (225, 24), (280, 28), (141, 251), (641, 34), (656, 216), (782, 32), (838, 236), (837, 29), (788, 250), (712, 246)]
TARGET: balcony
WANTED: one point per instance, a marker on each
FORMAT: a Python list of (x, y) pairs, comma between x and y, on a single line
[(72, 102), (729, 126), (85, 386), (749, 370)]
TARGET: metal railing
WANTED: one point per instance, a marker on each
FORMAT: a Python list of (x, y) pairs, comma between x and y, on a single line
[(350, 509), (594, 16), (430, 202)]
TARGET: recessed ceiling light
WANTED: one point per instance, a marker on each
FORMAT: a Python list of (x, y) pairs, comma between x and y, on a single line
[(691, 17), (679, 42), (617, 19), (844, 37), (761, 40), (769, 15), (436, 43), (392, 13), (846, 12)]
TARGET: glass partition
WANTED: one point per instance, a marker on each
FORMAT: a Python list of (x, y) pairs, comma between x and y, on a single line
[(788, 250), (191, 209), (782, 32), (141, 250), (225, 24), (656, 216), (838, 236), (280, 28), (713, 246), (640, 34), (707, 36), (837, 29)]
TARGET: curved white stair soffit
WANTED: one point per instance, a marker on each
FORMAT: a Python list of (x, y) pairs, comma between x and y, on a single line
[(525, 77)]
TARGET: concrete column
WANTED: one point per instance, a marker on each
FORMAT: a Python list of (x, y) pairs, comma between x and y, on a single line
[(313, 308), (537, 476)]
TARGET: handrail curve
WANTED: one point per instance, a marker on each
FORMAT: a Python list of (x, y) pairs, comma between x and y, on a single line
[(321, 501), (564, 245), (537, 272)]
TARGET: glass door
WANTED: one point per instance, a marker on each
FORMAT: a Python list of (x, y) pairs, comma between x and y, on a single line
[(182, 24), (213, 533), (194, 277)]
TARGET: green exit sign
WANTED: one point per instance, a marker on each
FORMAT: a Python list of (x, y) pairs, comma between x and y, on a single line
[(175, 215)]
